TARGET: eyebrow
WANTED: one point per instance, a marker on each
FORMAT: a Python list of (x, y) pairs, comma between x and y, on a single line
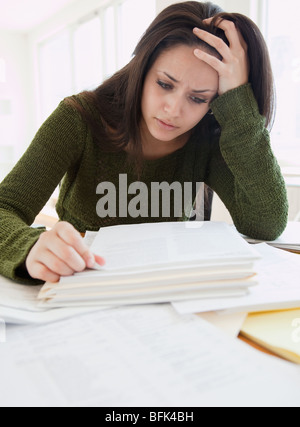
[(194, 91)]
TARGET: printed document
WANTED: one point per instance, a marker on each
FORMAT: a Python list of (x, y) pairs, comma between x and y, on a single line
[(139, 356)]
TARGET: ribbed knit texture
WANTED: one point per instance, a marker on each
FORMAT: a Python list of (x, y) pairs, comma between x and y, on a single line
[(240, 168)]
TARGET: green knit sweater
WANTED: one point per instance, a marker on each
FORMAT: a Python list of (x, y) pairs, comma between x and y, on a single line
[(240, 167)]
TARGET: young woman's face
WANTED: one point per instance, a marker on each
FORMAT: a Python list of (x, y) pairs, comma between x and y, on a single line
[(177, 92)]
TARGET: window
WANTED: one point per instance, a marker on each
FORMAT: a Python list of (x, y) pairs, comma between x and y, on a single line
[(134, 17), (87, 46), (55, 72), (110, 41), (83, 55), (282, 35)]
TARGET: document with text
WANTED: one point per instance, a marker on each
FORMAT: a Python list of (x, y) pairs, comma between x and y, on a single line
[(139, 356)]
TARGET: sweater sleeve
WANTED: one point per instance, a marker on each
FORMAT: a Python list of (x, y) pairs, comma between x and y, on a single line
[(243, 170), (56, 147)]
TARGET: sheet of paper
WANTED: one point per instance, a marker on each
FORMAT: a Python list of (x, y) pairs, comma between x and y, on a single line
[(142, 356), (172, 243), (19, 305), (18, 296), (174, 274), (90, 237), (121, 300), (230, 323), (278, 287), (47, 315)]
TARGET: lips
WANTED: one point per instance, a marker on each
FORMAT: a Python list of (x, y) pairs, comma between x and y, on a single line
[(166, 125)]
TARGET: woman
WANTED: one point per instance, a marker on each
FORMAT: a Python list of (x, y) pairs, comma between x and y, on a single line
[(192, 106)]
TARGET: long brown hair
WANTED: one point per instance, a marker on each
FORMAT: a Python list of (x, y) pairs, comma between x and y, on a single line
[(115, 114)]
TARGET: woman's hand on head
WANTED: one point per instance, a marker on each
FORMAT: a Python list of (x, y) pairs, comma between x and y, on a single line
[(60, 252), (234, 69)]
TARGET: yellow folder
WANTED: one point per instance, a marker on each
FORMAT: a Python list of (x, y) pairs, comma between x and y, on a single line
[(277, 331)]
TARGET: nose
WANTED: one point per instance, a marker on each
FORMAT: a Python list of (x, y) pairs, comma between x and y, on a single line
[(173, 106)]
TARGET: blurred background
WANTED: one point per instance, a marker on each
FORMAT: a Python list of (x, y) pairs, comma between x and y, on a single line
[(51, 49)]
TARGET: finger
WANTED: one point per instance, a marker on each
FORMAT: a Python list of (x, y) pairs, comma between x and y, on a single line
[(214, 41), (66, 254), (214, 62), (235, 38), (41, 272), (233, 35), (73, 238), (208, 20), (55, 264)]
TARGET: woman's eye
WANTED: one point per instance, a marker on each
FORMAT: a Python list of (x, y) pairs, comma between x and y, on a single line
[(195, 99), (198, 100), (164, 85)]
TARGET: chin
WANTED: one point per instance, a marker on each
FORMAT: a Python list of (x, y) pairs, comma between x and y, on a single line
[(164, 136), (166, 140)]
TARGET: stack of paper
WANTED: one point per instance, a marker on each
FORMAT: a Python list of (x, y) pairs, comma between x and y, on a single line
[(155, 263), (278, 287), (289, 240)]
